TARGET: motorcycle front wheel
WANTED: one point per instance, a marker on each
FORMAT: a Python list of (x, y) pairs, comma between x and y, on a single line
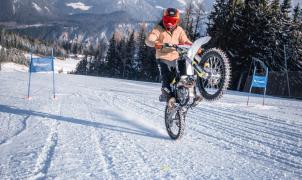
[(216, 64), (175, 123)]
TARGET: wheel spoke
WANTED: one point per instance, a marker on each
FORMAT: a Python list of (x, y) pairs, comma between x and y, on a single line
[(215, 67)]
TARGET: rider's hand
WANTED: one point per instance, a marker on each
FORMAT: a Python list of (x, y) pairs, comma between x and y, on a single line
[(200, 51), (168, 45), (158, 45)]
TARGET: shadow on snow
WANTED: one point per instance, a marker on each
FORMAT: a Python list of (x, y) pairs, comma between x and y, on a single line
[(143, 131)]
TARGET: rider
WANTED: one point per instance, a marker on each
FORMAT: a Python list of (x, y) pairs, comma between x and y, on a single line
[(168, 31)]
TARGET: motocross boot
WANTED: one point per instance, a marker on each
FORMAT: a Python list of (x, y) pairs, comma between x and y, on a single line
[(165, 95), (197, 98)]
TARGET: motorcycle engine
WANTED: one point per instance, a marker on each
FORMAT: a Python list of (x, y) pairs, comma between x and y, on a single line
[(183, 95)]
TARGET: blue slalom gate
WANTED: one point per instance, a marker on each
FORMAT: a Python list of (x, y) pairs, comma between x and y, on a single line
[(259, 81), (44, 64)]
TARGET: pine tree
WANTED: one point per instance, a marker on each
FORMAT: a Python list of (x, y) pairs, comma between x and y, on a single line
[(90, 65), (286, 20), (121, 58), (153, 72), (221, 23), (129, 57), (112, 67), (286, 7), (275, 45), (82, 66), (297, 17), (142, 54), (147, 65), (296, 35), (188, 21), (99, 55), (199, 13), (287, 36)]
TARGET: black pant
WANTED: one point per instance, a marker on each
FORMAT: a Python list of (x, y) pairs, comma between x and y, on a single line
[(168, 71)]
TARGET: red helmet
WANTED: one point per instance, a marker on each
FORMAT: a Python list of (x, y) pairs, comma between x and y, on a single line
[(171, 18)]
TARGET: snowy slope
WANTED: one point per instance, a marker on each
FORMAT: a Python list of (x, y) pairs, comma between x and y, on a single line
[(100, 128)]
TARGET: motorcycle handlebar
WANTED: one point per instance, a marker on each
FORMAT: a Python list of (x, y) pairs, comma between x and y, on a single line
[(168, 45), (173, 46)]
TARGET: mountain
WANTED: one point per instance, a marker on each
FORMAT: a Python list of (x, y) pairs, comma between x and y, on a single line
[(91, 19), (25, 11), (45, 11), (34, 10)]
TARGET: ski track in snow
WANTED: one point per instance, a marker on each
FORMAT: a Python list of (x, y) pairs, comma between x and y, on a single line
[(24, 125), (102, 128)]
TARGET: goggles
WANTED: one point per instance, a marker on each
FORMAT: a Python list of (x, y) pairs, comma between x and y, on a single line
[(170, 21)]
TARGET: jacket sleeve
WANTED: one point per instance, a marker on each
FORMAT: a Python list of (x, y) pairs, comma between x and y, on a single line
[(152, 37), (183, 38)]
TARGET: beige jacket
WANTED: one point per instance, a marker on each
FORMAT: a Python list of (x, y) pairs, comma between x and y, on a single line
[(160, 35)]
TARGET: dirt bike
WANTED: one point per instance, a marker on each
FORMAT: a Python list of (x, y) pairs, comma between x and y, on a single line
[(209, 70)]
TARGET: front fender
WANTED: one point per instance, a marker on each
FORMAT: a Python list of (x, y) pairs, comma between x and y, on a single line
[(196, 45)]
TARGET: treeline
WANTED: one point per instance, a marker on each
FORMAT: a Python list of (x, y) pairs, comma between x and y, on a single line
[(79, 45), (12, 55), (10, 39), (126, 57), (13, 47), (263, 29)]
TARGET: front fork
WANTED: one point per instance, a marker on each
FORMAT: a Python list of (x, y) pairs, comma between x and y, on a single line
[(193, 65)]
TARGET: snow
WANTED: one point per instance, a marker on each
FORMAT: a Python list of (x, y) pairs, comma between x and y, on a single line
[(78, 5), (102, 128), (66, 66), (182, 2), (38, 8), (120, 2), (45, 7), (13, 67), (160, 7)]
